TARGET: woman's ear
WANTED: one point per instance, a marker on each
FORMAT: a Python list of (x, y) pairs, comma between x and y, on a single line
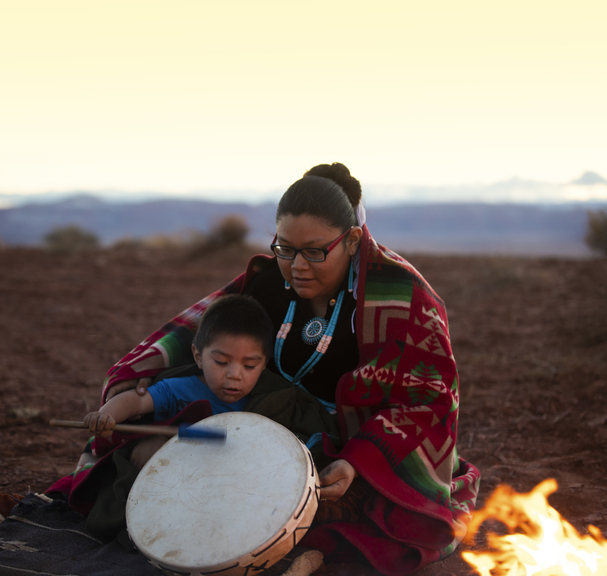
[(354, 239)]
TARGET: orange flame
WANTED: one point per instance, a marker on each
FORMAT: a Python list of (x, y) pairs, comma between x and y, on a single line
[(540, 541)]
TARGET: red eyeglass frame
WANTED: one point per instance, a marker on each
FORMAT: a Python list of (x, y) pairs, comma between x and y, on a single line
[(325, 251)]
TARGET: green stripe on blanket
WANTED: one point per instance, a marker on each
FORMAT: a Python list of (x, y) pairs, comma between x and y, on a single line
[(414, 471), (400, 289), (175, 344)]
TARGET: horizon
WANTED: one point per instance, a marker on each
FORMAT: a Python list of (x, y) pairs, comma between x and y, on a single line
[(590, 188), (450, 227), (181, 95)]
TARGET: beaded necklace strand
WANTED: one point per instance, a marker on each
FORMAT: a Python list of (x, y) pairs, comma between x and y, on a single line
[(324, 342)]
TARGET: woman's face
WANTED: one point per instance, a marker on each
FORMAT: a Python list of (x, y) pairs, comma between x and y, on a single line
[(315, 281)]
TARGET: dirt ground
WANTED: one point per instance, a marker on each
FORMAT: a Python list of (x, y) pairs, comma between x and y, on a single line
[(529, 335)]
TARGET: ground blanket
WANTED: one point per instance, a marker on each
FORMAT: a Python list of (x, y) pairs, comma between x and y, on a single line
[(45, 537), (48, 538)]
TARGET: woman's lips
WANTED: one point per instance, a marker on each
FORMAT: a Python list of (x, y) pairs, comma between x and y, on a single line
[(302, 281)]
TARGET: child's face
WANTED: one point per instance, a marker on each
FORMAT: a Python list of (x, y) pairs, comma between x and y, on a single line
[(231, 365)]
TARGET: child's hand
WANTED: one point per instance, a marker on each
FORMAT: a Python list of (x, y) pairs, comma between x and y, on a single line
[(100, 423)]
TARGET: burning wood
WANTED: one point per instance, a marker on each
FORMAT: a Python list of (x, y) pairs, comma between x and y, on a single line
[(540, 541)]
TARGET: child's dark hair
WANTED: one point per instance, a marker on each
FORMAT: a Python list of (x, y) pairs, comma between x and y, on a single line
[(236, 315)]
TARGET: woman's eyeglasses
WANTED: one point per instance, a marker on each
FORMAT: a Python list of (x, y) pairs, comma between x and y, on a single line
[(310, 254)]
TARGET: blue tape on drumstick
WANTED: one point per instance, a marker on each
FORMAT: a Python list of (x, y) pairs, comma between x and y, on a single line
[(205, 433)]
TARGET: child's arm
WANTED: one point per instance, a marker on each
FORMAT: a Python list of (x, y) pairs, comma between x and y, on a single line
[(120, 408)]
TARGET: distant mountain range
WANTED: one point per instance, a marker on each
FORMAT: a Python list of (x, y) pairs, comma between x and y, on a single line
[(473, 228), (589, 187)]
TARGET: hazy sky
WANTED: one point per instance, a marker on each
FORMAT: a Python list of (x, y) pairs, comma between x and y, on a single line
[(177, 95)]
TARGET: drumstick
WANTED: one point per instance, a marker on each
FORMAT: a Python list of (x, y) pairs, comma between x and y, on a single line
[(183, 431)]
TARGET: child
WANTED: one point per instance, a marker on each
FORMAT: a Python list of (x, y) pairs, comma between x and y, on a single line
[(231, 348)]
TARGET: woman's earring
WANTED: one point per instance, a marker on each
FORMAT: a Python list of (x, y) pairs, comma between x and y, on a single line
[(351, 278), (287, 286)]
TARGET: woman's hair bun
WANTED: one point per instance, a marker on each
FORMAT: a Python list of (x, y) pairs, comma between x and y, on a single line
[(339, 173)]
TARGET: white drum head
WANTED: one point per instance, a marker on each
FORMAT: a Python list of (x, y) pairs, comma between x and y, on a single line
[(198, 506)]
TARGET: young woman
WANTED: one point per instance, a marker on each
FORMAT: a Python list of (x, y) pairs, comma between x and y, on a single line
[(357, 326)]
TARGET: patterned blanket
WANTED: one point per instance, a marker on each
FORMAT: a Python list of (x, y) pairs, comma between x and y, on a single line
[(397, 413)]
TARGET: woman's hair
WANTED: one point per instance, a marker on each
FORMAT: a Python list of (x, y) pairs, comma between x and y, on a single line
[(328, 192), (235, 315)]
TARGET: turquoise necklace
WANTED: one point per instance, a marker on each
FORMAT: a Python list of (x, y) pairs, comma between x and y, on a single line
[(315, 330)]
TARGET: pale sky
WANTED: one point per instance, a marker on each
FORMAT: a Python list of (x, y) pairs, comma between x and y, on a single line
[(183, 95)]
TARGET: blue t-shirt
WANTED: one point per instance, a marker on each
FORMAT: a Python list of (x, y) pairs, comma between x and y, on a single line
[(172, 395)]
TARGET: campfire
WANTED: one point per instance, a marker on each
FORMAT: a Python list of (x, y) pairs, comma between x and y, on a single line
[(540, 542)]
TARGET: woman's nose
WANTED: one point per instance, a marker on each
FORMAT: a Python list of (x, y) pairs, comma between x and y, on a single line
[(299, 262)]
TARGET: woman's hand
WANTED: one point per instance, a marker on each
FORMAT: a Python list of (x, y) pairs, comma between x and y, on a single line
[(140, 386), (100, 423), (335, 479)]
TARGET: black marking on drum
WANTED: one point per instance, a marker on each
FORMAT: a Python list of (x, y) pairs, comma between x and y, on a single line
[(255, 554), (304, 504), (254, 568), (295, 538), (313, 468)]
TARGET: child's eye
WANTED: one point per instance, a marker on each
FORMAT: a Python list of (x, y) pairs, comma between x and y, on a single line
[(250, 367), (221, 363)]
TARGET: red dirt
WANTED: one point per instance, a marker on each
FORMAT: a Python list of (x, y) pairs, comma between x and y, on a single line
[(530, 337)]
